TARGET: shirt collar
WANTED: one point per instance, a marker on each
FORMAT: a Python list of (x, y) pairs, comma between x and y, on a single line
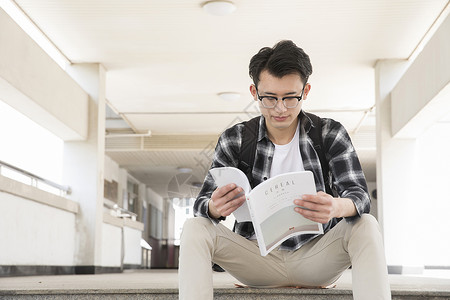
[(305, 122), (262, 129)]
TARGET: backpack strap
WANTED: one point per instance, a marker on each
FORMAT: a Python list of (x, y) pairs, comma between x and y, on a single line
[(315, 134), (248, 148), (249, 141)]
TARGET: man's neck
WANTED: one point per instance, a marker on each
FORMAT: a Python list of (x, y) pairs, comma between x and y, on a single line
[(282, 136)]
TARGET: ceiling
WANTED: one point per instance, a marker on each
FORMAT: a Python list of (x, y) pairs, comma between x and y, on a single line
[(166, 62)]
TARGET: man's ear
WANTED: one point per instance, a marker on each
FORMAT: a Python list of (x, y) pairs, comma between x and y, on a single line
[(253, 91), (306, 91)]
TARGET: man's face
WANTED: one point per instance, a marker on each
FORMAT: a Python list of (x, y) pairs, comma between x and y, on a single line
[(280, 117)]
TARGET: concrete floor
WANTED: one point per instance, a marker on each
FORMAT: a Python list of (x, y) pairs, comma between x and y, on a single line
[(435, 281)]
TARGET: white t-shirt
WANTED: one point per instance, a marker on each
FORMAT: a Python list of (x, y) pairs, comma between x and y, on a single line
[(287, 158)]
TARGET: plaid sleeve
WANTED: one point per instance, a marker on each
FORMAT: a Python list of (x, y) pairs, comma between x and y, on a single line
[(348, 177), (226, 154)]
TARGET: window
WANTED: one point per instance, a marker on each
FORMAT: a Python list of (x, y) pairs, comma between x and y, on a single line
[(156, 223), (29, 146), (133, 195), (111, 190), (183, 211)]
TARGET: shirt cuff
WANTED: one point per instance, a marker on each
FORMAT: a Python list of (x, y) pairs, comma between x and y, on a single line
[(358, 211)]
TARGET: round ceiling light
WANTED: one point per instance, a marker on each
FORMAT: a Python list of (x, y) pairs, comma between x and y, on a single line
[(229, 96), (184, 170), (219, 7)]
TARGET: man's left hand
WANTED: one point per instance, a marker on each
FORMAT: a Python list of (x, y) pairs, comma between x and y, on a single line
[(319, 208)]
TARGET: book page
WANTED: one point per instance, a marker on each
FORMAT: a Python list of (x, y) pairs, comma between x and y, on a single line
[(226, 175), (272, 206)]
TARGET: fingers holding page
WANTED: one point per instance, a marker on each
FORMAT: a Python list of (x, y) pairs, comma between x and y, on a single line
[(318, 208), (225, 200)]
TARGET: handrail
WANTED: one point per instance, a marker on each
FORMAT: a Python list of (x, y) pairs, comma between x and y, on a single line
[(122, 212), (64, 188)]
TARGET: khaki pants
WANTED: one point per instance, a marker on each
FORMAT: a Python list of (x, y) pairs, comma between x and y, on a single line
[(318, 263)]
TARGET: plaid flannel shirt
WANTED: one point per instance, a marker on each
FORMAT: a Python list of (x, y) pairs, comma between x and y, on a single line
[(348, 178)]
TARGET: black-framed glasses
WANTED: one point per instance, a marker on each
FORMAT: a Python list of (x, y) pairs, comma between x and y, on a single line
[(288, 101)]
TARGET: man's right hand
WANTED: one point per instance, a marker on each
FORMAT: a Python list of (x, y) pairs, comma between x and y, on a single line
[(225, 200)]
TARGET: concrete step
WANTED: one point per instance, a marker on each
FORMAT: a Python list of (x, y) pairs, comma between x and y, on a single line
[(220, 294), (162, 284)]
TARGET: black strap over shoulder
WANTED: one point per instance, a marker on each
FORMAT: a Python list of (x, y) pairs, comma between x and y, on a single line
[(249, 141), (248, 148), (315, 134)]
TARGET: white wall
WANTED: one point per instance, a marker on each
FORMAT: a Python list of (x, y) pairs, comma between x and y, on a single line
[(32, 233), (112, 170), (422, 96), (121, 241), (111, 246), (432, 188), (155, 199), (32, 83), (411, 96), (122, 186), (132, 248), (113, 235), (70, 104)]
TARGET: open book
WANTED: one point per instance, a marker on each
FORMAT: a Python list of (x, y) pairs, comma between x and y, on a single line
[(270, 205)]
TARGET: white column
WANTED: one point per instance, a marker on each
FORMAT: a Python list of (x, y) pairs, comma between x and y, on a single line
[(395, 172), (411, 98), (84, 168)]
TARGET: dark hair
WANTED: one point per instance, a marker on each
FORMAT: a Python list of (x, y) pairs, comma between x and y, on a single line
[(283, 59)]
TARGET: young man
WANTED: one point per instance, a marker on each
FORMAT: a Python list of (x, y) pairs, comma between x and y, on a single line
[(280, 75)]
